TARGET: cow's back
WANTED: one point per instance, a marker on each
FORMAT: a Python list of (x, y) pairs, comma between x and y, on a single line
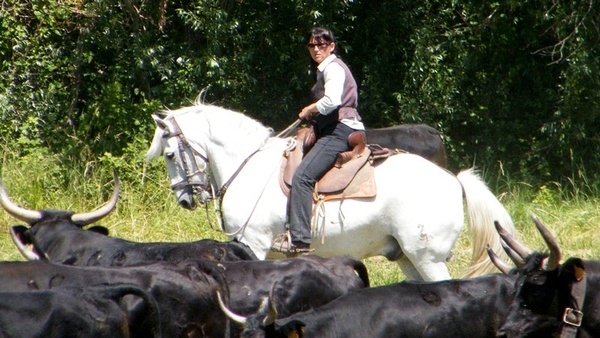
[(419, 139)]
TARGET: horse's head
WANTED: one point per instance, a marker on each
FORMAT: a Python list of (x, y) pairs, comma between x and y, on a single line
[(191, 136), (187, 162)]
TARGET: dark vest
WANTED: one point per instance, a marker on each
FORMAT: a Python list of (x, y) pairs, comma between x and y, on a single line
[(349, 98)]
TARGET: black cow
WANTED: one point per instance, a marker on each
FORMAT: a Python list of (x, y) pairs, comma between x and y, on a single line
[(185, 293), (419, 139), (91, 311), (57, 237), (453, 308), (552, 299), (303, 282), (60, 235)]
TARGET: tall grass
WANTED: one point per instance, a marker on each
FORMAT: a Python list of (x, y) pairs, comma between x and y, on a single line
[(147, 210)]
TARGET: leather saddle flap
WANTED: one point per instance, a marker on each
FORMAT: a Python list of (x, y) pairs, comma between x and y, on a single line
[(336, 179), (294, 157)]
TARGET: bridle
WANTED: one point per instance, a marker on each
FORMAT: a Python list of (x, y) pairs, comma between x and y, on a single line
[(205, 191), (202, 190)]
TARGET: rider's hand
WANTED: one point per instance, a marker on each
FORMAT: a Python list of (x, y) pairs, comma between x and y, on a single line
[(308, 112)]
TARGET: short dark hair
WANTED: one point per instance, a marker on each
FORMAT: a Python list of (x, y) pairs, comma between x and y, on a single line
[(321, 35)]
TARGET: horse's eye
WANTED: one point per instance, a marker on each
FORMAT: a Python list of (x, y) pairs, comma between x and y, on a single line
[(169, 155)]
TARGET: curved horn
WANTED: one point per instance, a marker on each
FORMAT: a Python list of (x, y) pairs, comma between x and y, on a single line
[(519, 262), (272, 316), (233, 316), (28, 216), (554, 260), (98, 214), (498, 262), (29, 254), (520, 248)]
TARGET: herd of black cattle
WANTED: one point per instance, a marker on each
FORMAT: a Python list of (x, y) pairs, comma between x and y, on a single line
[(84, 283)]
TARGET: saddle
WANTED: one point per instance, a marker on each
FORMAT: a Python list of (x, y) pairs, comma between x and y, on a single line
[(350, 177)]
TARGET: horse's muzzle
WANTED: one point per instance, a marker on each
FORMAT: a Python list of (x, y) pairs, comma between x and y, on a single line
[(186, 199)]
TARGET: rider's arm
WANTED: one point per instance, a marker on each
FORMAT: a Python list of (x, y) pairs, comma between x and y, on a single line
[(334, 76)]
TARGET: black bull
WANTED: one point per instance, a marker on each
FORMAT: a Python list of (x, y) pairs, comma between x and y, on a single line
[(551, 298), (419, 139), (302, 283), (185, 294), (93, 311), (308, 281), (59, 235), (453, 308)]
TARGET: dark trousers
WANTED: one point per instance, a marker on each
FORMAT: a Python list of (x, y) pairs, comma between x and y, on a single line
[(332, 141)]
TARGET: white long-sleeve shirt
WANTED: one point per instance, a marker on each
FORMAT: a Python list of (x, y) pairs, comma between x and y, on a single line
[(334, 77)]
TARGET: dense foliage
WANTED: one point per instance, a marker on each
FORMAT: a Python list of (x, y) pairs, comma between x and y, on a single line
[(512, 85)]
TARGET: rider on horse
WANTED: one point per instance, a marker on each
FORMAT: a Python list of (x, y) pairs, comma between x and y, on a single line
[(333, 117)]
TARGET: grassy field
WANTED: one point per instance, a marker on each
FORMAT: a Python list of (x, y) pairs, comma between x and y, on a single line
[(147, 210)]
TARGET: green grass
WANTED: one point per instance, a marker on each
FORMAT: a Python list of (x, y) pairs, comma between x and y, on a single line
[(147, 210)]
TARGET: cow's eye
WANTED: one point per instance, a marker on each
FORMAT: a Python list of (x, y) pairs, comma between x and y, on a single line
[(169, 155)]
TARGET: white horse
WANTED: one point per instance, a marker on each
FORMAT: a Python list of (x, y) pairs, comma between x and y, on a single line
[(414, 220)]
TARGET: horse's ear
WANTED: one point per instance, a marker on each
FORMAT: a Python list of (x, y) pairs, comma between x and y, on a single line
[(159, 122)]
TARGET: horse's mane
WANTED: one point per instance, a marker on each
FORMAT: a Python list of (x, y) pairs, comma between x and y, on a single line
[(221, 121)]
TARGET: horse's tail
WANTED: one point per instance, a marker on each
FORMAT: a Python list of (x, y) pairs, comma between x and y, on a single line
[(483, 208)]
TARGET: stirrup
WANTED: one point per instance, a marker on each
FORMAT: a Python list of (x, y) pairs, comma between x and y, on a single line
[(283, 243)]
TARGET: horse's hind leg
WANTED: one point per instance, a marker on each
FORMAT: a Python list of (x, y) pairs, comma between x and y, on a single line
[(408, 269), (424, 271)]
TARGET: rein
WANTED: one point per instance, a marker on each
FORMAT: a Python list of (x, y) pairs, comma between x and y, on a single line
[(221, 194), (287, 130), (208, 188)]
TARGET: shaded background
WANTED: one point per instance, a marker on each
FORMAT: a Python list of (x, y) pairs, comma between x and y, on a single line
[(511, 85)]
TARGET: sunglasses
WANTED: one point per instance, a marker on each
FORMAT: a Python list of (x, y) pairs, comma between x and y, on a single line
[(321, 45)]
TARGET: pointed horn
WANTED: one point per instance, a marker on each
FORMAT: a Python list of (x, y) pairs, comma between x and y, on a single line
[(520, 248), (519, 262), (554, 260), (100, 213), (233, 316), (22, 214), (29, 254), (272, 316), (498, 262)]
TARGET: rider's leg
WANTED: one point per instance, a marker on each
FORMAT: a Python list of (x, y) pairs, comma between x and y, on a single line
[(314, 166)]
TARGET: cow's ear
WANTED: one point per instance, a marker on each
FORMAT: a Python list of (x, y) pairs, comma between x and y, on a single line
[(573, 269), (293, 329), (579, 273), (578, 270), (99, 229)]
